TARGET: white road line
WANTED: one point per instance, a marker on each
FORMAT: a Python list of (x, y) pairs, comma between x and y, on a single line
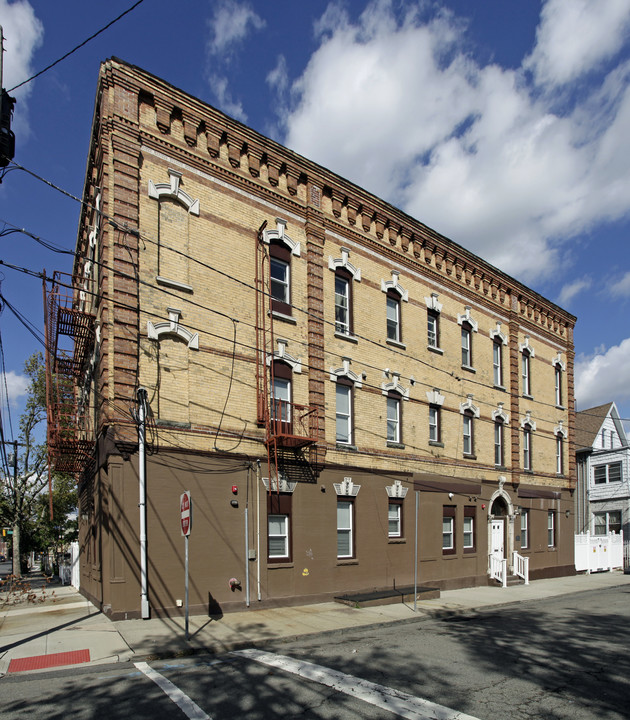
[(183, 702), (403, 704)]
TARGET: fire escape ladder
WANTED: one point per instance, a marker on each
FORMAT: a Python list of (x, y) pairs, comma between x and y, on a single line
[(289, 428), (66, 364)]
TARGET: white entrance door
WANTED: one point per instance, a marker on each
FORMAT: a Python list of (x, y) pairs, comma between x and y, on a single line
[(496, 549)]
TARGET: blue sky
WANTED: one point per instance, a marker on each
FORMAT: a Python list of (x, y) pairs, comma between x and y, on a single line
[(501, 124)]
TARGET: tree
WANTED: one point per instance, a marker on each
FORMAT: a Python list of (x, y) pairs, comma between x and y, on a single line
[(22, 488), (62, 528)]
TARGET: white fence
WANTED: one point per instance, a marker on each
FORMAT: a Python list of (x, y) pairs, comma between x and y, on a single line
[(594, 553), (498, 569), (521, 566), (69, 570)]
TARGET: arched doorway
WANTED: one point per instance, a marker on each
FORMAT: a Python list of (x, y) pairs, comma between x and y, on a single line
[(498, 513), (500, 527)]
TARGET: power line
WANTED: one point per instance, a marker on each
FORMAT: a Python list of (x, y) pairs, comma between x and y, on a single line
[(78, 47), (207, 266)]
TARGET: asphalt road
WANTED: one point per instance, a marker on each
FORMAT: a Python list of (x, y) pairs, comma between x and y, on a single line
[(566, 657)]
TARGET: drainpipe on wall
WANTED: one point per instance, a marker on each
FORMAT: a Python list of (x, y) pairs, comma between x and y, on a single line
[(258, 528), (142, 504), (247, 539)]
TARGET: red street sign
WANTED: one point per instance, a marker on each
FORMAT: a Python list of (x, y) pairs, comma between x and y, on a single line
[(185, 508)]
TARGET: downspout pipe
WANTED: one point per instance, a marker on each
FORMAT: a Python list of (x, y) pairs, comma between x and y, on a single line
[(142, 503)]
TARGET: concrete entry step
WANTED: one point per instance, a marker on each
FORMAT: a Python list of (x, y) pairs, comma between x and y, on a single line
[(386, 596)]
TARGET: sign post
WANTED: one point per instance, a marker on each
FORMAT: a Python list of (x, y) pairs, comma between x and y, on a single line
[(185, 509)]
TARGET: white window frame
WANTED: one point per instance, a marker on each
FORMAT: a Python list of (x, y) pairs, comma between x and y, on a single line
[(434, 423), (607, 467), (559, 454), (342, 306), (558, 380), (393, 419), (605, 514), (527, 448), (524, 528), (347, 530), (526, 372), (466, 346), (551, 528), (499, 449), (394, 515), (393, 318), (448, 531), (285, 407), (497, 362), (282, 535), (433, 328), (467, 433), (341, 417), (470, 532), (283, 283)]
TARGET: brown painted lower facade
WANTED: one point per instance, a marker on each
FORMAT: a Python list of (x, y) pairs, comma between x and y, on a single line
[(459, 521)]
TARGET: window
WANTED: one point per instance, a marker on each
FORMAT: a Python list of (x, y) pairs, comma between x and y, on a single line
[(558, 371), (278, 527), (498, 443), (526, 372), (607, 473), (469, 529), (433, 328), (345, 529), (434, 423), (497, 362), (559, 454), (551, 528), (278, 536), (467, 432), (448, 530), (344, 411), (281, 397), (393, 418), (527, 447), (280, 275), (607, 522), (394, 518), (466, 345), (524, 528), (343, 315), (393, 317)]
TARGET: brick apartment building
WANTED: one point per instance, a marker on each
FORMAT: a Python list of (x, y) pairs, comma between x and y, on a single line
[(305, 359)]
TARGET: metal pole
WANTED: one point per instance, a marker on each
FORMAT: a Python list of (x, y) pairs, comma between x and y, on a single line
[(186, 585), (258, 529), (142, 504), (415, 564)]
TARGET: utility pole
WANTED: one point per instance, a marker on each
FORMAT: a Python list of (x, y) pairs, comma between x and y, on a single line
[(7, 138), (17, 570)]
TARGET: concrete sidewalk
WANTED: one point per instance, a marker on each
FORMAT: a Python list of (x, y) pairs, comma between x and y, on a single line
[(65, 627)]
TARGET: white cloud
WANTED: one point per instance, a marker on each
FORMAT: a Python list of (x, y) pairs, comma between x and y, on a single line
[(621, 288), (23, 34), (603, 376), (278, 78), (231, 24), (219, 86), (16, 387), (398, 105), (576, 36), (570, 290)]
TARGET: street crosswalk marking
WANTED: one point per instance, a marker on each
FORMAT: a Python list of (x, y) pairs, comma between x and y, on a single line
[(183, 702), (399, 703)]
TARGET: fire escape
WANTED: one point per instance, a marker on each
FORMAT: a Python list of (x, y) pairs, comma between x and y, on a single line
[(291, 430), (69, 343)]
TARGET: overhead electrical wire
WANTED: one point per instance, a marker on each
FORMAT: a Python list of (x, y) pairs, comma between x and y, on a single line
[(135, 232), (78, 47)]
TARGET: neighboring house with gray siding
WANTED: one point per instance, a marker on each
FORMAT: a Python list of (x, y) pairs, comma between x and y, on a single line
[(602, 502)]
